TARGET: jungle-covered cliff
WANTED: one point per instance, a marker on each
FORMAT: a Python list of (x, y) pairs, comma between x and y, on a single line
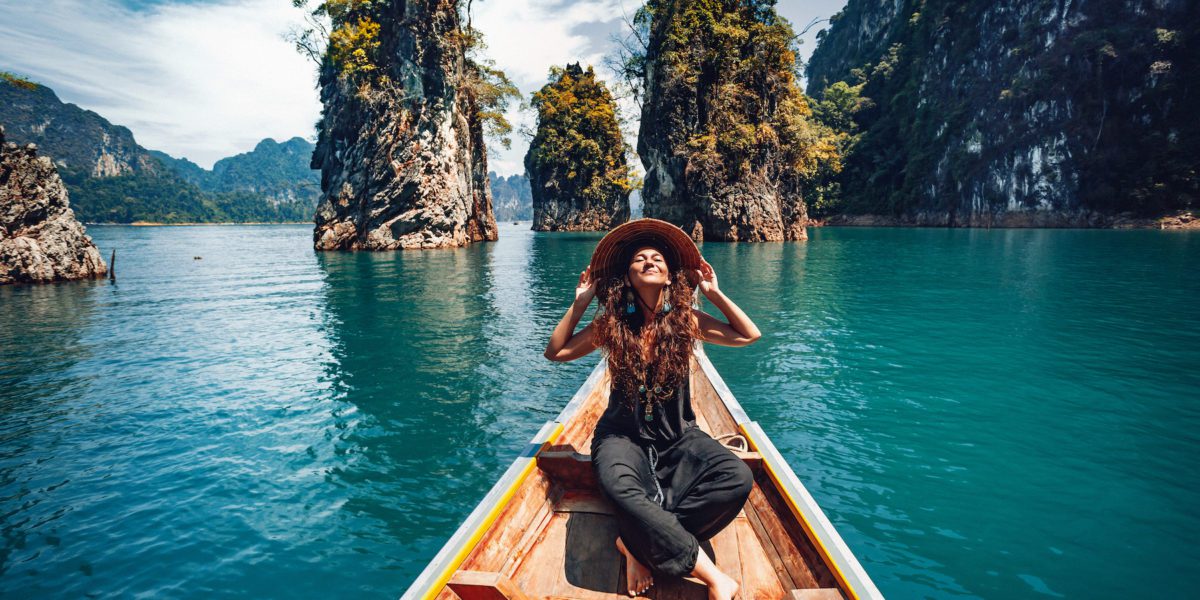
[(401, 139), (1013, 112), (727, 137), (576, 161)]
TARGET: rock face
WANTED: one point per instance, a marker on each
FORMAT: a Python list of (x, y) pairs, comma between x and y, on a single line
[(401, 152), (40, 240), (1019, 113), (725, 133), (576, 161)]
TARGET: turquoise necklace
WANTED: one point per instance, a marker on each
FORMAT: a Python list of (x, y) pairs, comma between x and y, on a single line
[(651, 396), (658, 394)]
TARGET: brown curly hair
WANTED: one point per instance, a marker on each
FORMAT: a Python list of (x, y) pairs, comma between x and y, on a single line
[(618, 332)]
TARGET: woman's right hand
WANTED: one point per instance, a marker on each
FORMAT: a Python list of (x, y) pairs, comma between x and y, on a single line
[(586, 290)]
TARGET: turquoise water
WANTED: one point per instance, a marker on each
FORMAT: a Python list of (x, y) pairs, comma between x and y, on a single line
[(992, 414)]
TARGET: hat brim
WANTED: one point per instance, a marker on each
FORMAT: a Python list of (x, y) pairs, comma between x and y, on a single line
[(652, 232)]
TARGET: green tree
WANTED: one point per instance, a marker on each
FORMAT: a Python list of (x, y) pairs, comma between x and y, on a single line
[(578, 153)]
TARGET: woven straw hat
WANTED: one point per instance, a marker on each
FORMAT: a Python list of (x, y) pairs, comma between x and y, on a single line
[(610, 259)]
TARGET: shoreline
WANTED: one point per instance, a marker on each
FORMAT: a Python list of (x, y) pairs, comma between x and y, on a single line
[(198, 223), (1183, 220)]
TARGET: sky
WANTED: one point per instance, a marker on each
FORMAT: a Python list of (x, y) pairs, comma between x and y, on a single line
[(209, 79)]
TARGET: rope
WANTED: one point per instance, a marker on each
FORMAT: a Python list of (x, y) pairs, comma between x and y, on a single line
[(658, 493), (739, 439)]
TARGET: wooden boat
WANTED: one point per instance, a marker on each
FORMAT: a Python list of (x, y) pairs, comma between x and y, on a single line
[(545, 530)]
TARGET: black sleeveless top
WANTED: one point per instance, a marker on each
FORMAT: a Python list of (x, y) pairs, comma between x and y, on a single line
[(672, 416)]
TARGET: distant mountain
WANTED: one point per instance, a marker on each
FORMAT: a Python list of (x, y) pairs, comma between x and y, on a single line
[(111, 178), (512, 199), (276, 171), (77, 140)]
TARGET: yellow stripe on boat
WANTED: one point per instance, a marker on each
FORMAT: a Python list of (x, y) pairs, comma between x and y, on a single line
[(860, 587), (435, 587)]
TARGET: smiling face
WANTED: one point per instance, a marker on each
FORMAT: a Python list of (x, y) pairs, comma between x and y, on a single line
[(648, 267)]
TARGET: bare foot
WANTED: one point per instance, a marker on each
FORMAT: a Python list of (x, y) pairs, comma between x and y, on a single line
[(637, 576), (723, 588)]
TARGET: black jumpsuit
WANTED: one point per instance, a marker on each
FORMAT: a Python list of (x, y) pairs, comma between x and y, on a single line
[(703, 484)]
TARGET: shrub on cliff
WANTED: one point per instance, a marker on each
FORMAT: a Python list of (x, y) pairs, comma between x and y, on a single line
[(724, 115), (578, 154)]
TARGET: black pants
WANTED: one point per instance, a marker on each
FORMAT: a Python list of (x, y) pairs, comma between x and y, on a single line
[(704, 486)]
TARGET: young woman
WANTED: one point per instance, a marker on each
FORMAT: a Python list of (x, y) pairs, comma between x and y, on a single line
[(671, 484)]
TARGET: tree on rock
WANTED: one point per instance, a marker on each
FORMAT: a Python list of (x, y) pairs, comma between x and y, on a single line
[(401, 139), (576, 162), (727, 137)]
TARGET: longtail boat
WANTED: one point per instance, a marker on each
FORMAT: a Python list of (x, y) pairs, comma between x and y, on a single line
[(546, 531)]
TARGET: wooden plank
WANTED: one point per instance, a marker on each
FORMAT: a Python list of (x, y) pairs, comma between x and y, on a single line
[(542, 568), (759, 581), (483, 585), (803, 561), (725, 549), (525, 544), (707, 402), (577, 431), (568, 468), (498, 542), (713, 378), (585, 503), (769, 545), (817, 594), (447, 594)]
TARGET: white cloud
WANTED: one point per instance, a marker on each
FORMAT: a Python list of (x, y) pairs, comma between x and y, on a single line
[(203, 81)]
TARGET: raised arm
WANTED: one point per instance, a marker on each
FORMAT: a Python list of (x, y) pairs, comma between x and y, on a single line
[(739, 331), (564, 344)]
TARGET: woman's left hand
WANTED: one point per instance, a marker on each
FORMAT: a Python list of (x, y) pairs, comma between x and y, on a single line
[(706, 277)]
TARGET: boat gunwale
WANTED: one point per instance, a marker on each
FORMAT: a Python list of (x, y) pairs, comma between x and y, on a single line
[(833, 549), (454, 552)]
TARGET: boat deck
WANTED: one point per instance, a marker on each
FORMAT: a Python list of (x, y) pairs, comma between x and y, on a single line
[(569, 549)]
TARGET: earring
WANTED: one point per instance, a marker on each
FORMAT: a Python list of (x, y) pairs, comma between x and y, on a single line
[(629, 307), (666, 301)]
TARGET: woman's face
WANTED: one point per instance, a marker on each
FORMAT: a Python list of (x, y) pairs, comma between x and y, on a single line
[(648, 268)]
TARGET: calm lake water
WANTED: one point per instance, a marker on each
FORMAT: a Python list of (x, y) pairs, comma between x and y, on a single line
[(992, 414)]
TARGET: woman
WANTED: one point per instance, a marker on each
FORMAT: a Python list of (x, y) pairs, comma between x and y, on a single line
[(671, 484)]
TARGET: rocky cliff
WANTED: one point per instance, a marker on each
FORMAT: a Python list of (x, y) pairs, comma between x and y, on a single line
[(576, 163), (726, 135), (1018, 112), (400, 144), (40, 240)]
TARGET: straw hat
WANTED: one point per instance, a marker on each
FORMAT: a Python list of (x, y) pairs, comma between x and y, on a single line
[(611, 257)]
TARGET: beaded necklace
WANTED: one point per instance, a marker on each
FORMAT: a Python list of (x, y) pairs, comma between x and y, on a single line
[(651, 396), (658, 393)]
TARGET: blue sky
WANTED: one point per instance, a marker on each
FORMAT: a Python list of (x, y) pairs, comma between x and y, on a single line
[(205, 80)]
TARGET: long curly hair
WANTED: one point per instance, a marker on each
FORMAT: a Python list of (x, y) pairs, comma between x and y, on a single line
[(618, 332)]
